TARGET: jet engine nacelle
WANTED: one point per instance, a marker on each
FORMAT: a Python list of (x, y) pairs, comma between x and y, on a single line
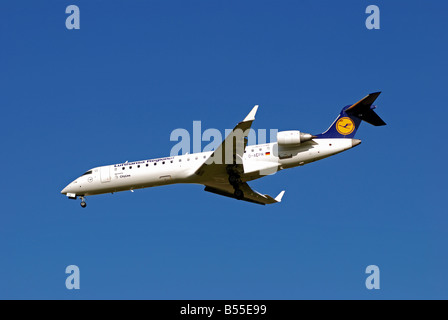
[(293, 138)]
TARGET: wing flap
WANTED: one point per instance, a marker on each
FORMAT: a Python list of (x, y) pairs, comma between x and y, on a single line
[(250, 195), (228, 194)]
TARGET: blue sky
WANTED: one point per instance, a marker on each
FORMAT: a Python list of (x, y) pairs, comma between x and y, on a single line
[(115, 89)]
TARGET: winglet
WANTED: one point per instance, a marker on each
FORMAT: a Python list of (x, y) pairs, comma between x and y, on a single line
[(280, 196), (251, 115)]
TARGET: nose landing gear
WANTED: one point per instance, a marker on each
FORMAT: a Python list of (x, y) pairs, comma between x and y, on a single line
[(83, 203)]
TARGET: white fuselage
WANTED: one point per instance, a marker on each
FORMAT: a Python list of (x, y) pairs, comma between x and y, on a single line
[(258, 161)]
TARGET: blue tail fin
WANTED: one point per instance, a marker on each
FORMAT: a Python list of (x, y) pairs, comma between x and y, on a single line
[(351, 116)]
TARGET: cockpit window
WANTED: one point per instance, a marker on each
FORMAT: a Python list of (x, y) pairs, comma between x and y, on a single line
[(88, 172)]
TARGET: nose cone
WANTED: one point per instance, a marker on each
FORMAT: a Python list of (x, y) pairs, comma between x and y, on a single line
[(68, 189), (355, 142), (64, 191)]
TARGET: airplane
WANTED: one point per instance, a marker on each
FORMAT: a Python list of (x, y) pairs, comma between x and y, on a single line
[(227, 170)]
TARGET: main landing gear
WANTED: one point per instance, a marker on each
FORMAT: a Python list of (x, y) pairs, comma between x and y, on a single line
[(239, 194), (83, 203), (235, 181)]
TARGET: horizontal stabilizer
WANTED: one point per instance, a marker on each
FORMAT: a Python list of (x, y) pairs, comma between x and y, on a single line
[(363, 109)]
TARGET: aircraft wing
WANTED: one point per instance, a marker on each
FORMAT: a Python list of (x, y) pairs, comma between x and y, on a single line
[(231, 151), (227, 159), (249, 194)]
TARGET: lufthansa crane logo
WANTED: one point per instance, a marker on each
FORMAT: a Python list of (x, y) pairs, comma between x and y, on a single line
[(345, 126)]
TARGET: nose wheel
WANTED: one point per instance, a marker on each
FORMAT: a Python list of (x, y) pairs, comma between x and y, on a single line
[(83, 202)]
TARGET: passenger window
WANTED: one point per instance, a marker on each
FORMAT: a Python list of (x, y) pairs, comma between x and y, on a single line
[(123, 168)]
